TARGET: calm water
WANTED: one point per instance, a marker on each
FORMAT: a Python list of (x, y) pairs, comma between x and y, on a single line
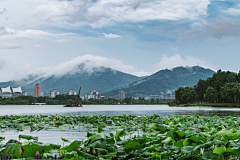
[(115, 110), (54, 136)]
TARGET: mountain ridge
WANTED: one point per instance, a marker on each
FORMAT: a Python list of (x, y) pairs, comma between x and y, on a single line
[(164, 81), (108, 81)]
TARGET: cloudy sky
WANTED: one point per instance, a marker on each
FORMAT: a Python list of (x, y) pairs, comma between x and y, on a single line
[(138, 37)]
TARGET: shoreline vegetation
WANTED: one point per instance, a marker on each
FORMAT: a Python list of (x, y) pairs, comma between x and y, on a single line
[(63, 99), (126, 137), (220, 90), (226, 105)]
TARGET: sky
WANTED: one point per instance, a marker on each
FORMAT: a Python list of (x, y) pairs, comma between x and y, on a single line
[(138, 37)]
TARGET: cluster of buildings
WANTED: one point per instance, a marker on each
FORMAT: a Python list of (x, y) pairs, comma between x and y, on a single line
[(53, 93), (8, 92), (169, 95)]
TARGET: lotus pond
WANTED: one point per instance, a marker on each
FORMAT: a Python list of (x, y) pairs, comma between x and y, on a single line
[(126, 137)]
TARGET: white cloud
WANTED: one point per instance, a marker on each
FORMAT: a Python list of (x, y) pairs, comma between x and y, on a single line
[(38, 45), (18, 71), (177, 60), (233, 11), (90, 63), (9, 33), (104, 12), (10, 46), (61, 40), (110, 35)]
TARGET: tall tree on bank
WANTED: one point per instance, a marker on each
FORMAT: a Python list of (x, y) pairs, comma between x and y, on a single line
[(220, 78), (201, 88), (221, 87), (211, 95)]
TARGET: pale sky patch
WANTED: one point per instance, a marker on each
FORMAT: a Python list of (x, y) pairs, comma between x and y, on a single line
[(38, 45), (110, 35)]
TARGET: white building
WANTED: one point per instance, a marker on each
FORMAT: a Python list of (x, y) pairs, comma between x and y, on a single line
[(92, 94), (11, 92), (155, 97), (53, 93), (71, 92), (42, 94)]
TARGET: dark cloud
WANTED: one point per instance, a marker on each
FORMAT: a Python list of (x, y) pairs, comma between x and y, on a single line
[(217, 28), (1, 12)]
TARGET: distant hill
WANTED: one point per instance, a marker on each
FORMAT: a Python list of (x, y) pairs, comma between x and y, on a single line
[(101, 79), (164, 81)]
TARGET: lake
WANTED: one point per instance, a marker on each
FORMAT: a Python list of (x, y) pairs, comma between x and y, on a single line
[(115, 110), (54, 136)]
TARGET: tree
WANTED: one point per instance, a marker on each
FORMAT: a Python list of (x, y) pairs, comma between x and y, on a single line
[(201, 88), (230, 92), (211, 95), (185, 95), (152, 101)]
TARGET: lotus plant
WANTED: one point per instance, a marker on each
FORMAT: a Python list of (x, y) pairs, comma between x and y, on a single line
[(21, 150), (37, 155)]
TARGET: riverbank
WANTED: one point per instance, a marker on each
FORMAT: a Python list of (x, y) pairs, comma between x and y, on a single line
[(228, 105)]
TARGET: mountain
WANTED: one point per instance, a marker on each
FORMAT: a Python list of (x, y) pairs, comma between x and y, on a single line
[(164, 81), (101, 79)]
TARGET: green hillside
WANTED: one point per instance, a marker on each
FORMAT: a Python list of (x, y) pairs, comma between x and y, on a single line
[(101, 80), (163, 81)]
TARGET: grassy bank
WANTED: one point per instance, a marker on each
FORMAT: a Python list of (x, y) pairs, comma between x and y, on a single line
[(230, 105)]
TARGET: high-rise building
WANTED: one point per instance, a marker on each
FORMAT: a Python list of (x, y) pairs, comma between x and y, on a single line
[(121, 95), (37, 91), (42, 94), (92, 94), (71, 92), (53, 93)]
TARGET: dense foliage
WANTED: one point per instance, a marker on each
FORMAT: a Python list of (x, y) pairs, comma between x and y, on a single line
[(63, 99), (221, 87), (132, 137), (164, 81)]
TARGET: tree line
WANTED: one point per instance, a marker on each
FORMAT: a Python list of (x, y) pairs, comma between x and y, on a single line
[(222, 87), (63, 99)]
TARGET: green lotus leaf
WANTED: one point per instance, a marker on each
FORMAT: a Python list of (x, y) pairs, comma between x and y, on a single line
[(168, 140), (132, 144), (181, 133), (178, 143), (219, 150), (196, 139), (225, 132), (28, 137), (64, 139), (2, 138), (205, 134), (186, 142), (187, 149), (55, 146), (72, 146), (30, 150), (100, 129)]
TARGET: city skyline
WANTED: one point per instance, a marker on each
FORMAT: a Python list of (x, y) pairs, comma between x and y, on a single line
[(137, 37)]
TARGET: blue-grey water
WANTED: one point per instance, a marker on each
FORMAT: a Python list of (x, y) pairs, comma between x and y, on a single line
[(115, 110), (54, 136)]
